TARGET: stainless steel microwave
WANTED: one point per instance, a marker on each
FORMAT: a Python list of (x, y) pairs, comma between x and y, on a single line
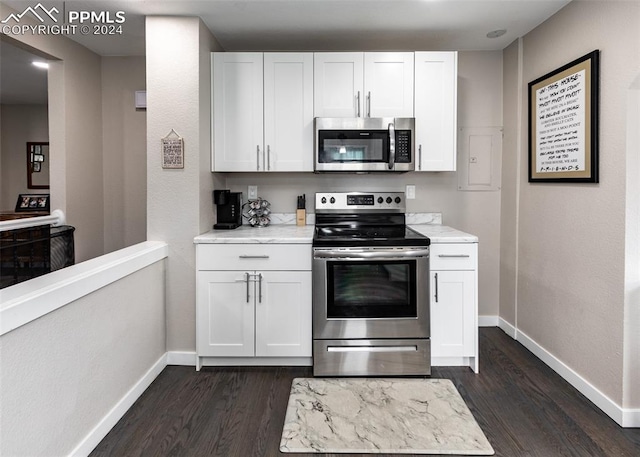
[(364, 144)]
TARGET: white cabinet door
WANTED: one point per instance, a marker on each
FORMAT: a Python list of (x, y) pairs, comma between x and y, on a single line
[(288, 112), (452, 314), (237, 112), (388, 84), (267, 318), (283, 314), (225, 314), (338, 84), (436, 110)]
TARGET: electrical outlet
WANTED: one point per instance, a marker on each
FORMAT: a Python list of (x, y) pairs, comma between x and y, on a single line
[(410, 192), (252, 193)]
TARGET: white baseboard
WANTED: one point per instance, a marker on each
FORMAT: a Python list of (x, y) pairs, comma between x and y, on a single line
[(507, 328), (186, 359), (96, 435), (488, 321), (631, 418), (256, 361), (623, 416)]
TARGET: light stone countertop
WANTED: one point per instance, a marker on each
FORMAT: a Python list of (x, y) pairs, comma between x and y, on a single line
[(292, 234), (273, 234), (444, 234), (284, 231)]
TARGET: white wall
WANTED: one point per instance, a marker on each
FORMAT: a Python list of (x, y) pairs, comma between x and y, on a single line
[(124, 141), (571, 237), (631, 383), (512, 156), (20, 124), (64, 372), (178, 97)]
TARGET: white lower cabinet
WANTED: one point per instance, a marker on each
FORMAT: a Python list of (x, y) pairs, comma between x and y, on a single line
[(252, 313), (454, 309), (225, 318)]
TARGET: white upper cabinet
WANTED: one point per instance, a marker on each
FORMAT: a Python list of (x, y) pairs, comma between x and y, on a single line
[(288, 111), (388, 84), (264, 104), (436, 110), (262, 111), (338, 84), (237, 111), (369, 84)]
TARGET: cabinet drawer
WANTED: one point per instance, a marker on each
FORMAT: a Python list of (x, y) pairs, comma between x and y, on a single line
[(462, 256), (254, 257)]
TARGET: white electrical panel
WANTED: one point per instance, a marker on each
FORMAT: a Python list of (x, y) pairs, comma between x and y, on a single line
[(479, 158)]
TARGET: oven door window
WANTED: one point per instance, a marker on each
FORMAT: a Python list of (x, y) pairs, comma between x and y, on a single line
[(371, 289), (344, 146)]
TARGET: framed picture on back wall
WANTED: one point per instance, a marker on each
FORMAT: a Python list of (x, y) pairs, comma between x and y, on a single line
[(563, 123), (32, 203)]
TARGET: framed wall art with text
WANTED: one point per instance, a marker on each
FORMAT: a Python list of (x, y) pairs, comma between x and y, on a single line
[(563, 123)]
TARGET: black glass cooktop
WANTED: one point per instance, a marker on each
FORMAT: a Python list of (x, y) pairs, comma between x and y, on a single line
[(366, 231)]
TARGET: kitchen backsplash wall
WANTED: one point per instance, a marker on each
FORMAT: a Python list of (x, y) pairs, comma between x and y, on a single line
[(281, 189)]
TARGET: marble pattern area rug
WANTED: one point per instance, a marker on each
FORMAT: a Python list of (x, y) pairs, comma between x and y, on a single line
[(380, 415)]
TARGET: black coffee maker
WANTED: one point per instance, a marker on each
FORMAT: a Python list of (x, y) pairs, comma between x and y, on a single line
[(229, 209)]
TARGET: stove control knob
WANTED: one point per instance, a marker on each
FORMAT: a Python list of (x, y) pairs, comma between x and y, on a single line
[(389, 200), (380, 200), (324, 200), (398, 200), (333, 200)]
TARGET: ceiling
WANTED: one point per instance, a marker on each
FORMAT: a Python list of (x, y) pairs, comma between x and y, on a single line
[(322, 25), (312, 25)]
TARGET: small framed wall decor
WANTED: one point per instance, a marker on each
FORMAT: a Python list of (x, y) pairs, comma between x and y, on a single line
[(563, 123), (172, 151), (32, 203)]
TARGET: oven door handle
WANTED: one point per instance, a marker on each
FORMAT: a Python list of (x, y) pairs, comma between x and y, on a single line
[(372, 348), (340, 254)]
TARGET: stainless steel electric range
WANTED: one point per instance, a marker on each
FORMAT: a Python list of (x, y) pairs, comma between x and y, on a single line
[(370, 288)]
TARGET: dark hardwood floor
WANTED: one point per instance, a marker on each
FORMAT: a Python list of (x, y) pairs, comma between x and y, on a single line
[(524, 408)]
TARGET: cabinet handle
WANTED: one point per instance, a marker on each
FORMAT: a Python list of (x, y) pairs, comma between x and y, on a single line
[(246, 277), (436, 274), (259, 287), (268, 157), (419, 157), (253, 256), (358, 104), (456, 256), (258, 157), (369, 104)]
